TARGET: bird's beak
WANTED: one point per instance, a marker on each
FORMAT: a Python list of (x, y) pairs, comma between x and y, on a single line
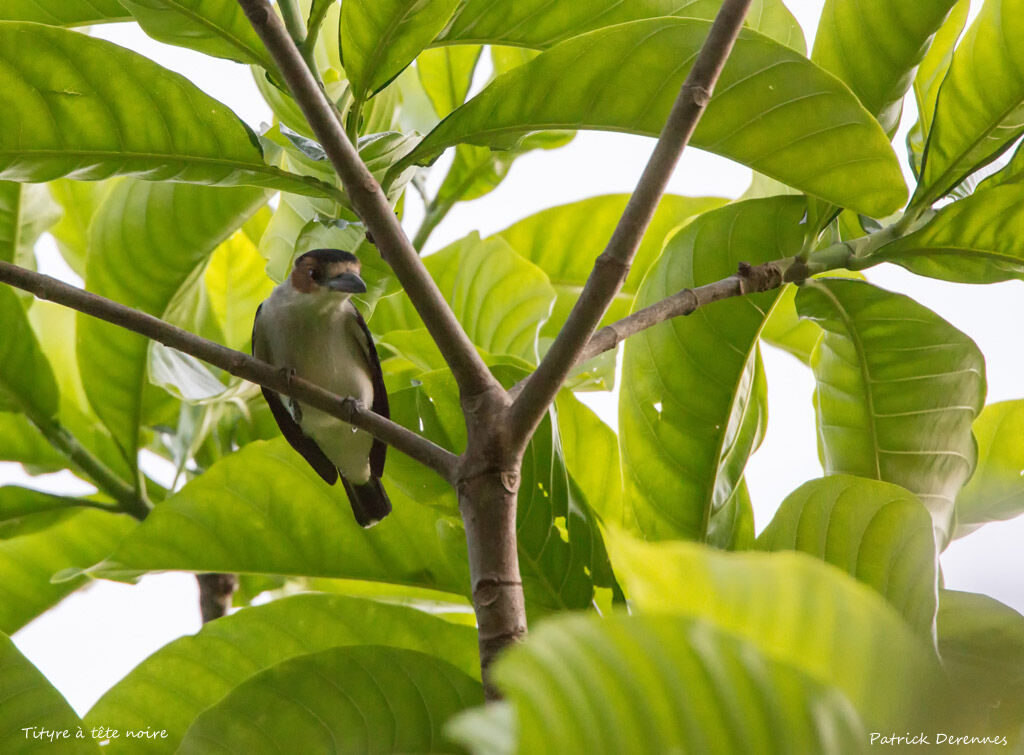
[(349, 283)]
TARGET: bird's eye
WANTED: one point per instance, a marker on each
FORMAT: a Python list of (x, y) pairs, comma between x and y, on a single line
[(313, 274)]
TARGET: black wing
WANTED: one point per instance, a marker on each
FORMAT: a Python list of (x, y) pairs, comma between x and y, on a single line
[(290, 429), (379, 449)]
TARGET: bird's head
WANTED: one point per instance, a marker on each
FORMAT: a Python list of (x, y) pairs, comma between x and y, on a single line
[(327, 270)]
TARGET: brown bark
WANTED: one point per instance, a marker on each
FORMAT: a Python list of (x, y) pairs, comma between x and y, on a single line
[(215, 594)]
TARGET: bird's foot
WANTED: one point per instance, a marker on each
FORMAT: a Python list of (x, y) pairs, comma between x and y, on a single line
[(294, 405)]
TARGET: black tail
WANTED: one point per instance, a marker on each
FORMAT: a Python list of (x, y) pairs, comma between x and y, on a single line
[(369, 502)]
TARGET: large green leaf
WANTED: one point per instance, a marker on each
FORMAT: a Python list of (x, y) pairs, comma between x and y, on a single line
[(794, 609), (146, 240), (64, 12), (21, 442), (357, 699), (930, 74), (27, 383), (897, 390), (215, 27), (79, 201), (446, 74), (34, 717), (236, 283), (874, 531), (982, 645), (591, 452), (875, 47), (29, 561), (541, 24), (772, 110), (264, 510), (500, 298), (381, 37), (26, 210), (975, 240), (996, 489), (980, 107), (692, 404), (206, 667), (563, 241), (657, 684), (85, 108), (24, 510)]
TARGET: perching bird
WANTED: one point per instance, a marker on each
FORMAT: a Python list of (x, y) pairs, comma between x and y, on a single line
[(308, 325)]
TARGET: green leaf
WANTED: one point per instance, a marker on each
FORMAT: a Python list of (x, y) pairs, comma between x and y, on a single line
[(795, 610), (500, 298), (980, 106), (540, 24), (974, 240), (359, 699), (591, 452), (79, 201), (563, 241), (236, 283), (214, 27), (874, 531), (84, 108), (264, 510), (687, 422), (146, 241), (996, 490), (26, 380), (657, 684), (64, 12), (28, 562), (982, 645), (446, 74), (21, 442), (875, 47), (31, 702), (381, 37), (26, 211), (897, 390), (23, 510), (772, 110), (207, 666), (930, 74)]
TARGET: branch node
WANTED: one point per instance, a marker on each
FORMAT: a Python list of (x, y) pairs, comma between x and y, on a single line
[(486, 591), (699, 95)]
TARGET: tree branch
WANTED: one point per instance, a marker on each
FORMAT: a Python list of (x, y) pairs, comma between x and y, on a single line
[(612, 266), (235, 362), (470, 372)]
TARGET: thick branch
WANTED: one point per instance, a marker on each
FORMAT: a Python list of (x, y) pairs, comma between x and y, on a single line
[(235, 362), (612, 266), (369, 201)]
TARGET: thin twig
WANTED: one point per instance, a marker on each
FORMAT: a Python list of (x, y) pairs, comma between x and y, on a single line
[(467, 366), (235, 362), (611, 268)]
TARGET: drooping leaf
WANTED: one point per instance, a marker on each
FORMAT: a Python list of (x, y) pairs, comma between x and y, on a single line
[(64, 12), (975, 240), (146, 240), (875, 47), (563, 241), (226, 652), (381, 37), (996, 489), (772, 110), (236, 283), (264, 510), (982, 644), (21, 442), (26, 211), (85, 108), (930, 74), (446, 74), (28, 562), (687, 423), (365, 699), (27, 383), (539, 24), (980, 107), (24, 510), (591, 452), (33, 708), (874, 531), (79, 201), (214, 27), (500, 298), (897, 390), (795, 610), (656, 684)]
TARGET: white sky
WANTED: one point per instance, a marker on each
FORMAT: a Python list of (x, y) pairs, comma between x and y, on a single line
[(97, 635)]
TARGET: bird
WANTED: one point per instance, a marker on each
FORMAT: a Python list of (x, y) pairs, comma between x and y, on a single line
[(309, 327)]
